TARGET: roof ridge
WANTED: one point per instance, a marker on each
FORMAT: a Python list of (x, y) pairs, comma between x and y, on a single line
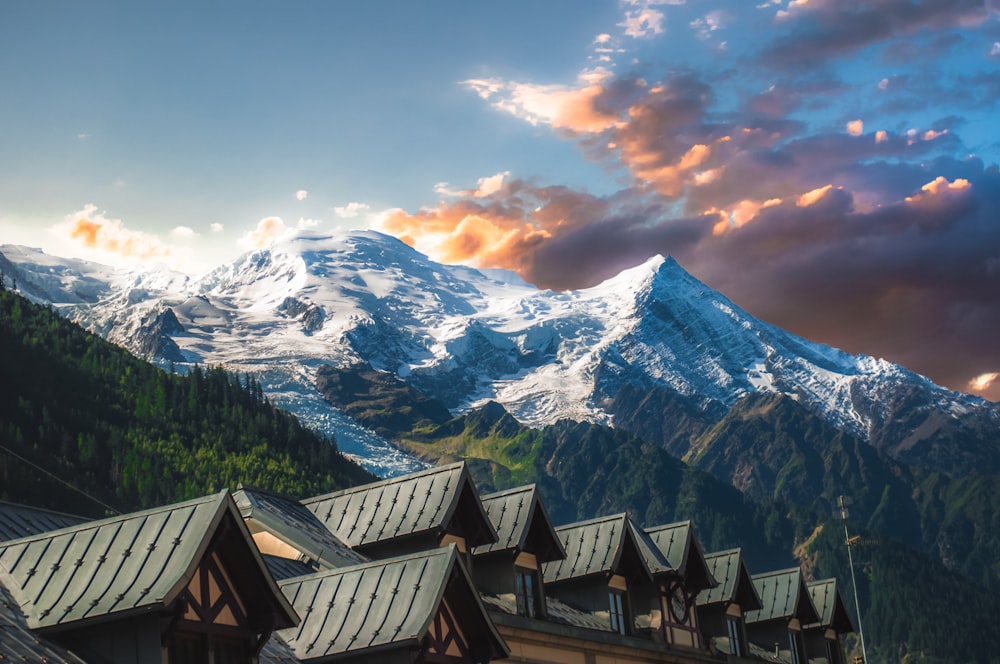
[(433, 470), (119, 518), (448, 550), (588, 522), (506, 492)]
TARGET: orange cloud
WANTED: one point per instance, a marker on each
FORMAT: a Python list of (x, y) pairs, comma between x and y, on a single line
[(937, 188), (881, 135), (92, 229), (855, 127), (468, 234), (813, 197), (268, 230), (561, 107)]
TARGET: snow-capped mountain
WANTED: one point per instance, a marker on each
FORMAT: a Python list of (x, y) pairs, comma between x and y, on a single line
[(465, 337)]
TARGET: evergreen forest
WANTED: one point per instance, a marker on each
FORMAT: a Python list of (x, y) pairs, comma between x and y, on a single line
[(124, 434)]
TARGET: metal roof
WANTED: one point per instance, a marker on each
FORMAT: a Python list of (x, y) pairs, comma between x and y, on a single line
[(123, 564), (683, 552), (783, 595), (379, 605), (735, 584), (19, 644), (286, 568), (522, 524), (830, 606), (597, 546), (651, 554), (293, 523), (407, 505), (23, 521)]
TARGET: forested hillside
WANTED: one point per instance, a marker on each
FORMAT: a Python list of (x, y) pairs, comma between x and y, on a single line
[(132, 435)]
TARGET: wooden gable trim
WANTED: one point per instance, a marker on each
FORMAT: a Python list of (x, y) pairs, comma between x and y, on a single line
[(445, 642), (210, 602)]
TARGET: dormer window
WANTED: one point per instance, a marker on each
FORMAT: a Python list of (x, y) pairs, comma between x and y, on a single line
[(619, 621), (734, 628), (527, 591)]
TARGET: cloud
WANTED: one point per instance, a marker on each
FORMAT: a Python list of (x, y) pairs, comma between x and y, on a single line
[(855, 127), (217, 228), (995, 50), (183, 232), (577, 109), (94, 230), (308, 223), (818, 30), (350, 210), (267, 231), (301, 195)]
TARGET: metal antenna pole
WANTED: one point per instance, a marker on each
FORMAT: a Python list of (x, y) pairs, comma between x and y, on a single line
[(850, 559)]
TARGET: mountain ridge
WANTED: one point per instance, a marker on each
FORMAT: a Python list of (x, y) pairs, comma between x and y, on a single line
[(465, 338)]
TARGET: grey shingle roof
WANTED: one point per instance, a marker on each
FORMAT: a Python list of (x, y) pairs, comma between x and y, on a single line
[(522, 524), (22, 521), (830, 606), (683, 552), (735, 584), (293, 523), (124, 564), (403, 506), (594, 547), (380, 605), (19, 644), (783, 595)]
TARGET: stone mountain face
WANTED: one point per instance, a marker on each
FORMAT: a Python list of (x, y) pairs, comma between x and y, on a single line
[(652, 350)]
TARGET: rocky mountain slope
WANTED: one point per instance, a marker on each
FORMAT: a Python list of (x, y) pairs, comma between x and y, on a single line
[(652, 350)]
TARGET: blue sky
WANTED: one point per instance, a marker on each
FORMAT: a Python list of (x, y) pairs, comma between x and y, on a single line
[(828, 164)]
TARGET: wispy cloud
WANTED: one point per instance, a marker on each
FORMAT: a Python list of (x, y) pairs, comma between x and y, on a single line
[(301, 195), (93, 229), (351, 210)]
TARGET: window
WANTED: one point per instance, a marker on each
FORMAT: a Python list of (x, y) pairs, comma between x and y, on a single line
[(618, 618), (734, 628), (797, 647), (192, 648), (528, 600)]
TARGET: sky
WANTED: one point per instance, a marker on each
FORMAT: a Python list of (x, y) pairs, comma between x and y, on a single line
[(829, 165)]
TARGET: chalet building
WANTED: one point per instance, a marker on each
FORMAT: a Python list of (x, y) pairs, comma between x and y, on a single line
[(722, 609), (179, 584), (786, 608), (419, 607), (416, 569), (823, 642)]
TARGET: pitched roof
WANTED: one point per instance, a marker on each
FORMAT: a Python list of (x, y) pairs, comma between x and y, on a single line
[(293, 523), (383, 604), (783, 595), (678, 544), (522, 524), (21, 520), (407, 505), (125, 564), (830, 606), (604, 545), (19, 643), (735, 584)]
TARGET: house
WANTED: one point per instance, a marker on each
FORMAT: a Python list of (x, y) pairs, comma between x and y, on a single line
[(786, 608), (169, 584), (823, 637), (419, 607), (722, 609)]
